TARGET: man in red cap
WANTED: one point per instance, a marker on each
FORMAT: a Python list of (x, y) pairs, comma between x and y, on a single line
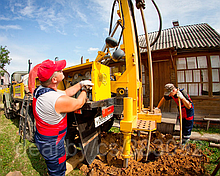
[(50, 108), (187, 108)]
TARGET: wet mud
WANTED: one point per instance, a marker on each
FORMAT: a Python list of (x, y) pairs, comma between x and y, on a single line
[(166, 157)]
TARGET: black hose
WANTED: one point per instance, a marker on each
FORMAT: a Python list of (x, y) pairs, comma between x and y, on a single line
[(123, 26), (113, 7), (160, 26)]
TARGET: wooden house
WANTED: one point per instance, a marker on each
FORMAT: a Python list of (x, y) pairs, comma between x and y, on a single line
[(189, 57)]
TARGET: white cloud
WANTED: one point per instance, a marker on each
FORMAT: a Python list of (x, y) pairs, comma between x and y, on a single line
[(62, 12), (28, 10), (49, 15), (93, 49), (6, 27), (5, 18)]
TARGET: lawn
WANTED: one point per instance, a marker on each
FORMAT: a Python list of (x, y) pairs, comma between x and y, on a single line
[(14, 156)]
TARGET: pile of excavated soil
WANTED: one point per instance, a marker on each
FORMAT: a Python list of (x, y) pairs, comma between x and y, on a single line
[(166, 157)]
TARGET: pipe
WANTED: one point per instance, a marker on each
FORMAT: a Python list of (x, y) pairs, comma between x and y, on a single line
[(82, 60), (149, 60), (181, 126)]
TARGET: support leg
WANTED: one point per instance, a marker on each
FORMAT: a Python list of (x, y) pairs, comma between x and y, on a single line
[(148, 144), (126, 148), (208, 123)]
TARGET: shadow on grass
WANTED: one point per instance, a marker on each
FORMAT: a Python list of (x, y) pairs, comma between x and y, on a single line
[(37, 161), (15, 120)]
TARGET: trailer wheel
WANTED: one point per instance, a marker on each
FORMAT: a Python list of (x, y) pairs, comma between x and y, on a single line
[(8, 114), (29, 135)]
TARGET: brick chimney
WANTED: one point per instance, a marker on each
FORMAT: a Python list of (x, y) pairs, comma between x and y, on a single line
[(175, 23)]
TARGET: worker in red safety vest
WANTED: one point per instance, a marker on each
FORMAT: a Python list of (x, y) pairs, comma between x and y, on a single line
[(50, 108), (187, 107)]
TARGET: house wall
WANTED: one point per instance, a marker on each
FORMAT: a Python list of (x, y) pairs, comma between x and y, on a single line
[(164, 71), (5, 80)]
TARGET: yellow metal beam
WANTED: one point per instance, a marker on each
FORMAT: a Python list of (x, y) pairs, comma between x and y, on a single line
[(147, 115)]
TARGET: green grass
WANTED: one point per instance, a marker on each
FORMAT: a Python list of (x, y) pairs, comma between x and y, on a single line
[(203, 130), (16, 157), (212, 153), (114, 130)]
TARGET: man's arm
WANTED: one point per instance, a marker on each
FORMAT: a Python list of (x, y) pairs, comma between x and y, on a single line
[(186, 102), (65, 104), (160, 103), (73, 90)]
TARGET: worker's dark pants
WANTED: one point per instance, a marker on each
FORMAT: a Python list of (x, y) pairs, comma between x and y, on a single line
[(53, 153), (187, 128)]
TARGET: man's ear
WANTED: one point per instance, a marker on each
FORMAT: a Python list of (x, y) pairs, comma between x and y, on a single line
[(54, 80)]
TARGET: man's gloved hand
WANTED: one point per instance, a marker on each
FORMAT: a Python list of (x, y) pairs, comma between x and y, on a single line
[(180, 95), (86, 83), (85, 89)]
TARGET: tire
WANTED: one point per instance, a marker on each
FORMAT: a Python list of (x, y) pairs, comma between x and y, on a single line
[(8, 114), (70, 145), (72, 132), (30, 130)]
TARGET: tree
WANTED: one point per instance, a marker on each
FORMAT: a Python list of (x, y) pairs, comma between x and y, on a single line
[(4, 59)]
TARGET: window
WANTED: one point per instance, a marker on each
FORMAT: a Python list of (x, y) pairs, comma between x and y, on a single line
[(193, 74), (215, 66)]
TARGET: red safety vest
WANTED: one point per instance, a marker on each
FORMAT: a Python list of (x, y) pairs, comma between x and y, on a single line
[(45, 128), (187, 114)]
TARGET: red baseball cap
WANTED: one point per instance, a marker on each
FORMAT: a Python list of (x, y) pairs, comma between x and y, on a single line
[(48, 67)]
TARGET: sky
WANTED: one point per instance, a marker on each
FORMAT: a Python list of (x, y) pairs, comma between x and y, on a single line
[(69, 29)]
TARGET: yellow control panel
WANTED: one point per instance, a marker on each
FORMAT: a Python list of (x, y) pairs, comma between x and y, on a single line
[(98, 73)]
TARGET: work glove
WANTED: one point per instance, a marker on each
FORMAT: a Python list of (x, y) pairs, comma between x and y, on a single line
[(86, 84), (180, 95), (85, 89)]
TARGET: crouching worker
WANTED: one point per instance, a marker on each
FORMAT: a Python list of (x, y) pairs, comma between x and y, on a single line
[(187, 107), (50, 108)]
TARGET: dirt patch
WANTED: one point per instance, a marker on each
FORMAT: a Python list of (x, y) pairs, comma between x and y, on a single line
[(166, 157)]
